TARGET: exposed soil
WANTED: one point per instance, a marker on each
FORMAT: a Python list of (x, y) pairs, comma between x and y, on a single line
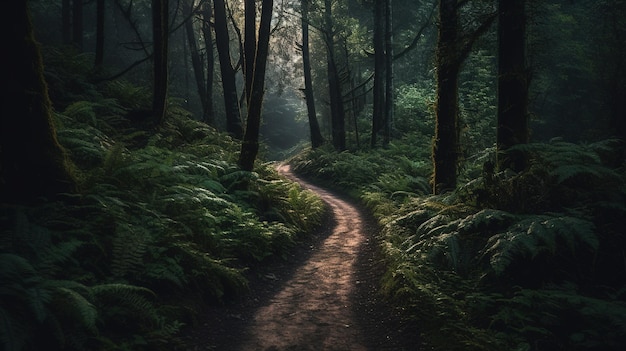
[(323, 297)]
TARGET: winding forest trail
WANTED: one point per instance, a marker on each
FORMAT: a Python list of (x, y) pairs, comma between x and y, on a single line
[(325, 298), (313, 311)]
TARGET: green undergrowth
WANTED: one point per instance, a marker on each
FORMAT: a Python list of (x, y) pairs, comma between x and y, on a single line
[(165, 222), (509, 261)]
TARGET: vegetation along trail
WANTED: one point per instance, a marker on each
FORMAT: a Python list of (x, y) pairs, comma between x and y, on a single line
[(324, 299)]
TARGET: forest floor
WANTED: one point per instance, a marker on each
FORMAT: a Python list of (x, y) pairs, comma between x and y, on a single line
[(324, 296)]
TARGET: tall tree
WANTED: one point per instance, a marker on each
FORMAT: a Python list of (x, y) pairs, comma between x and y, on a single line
[(207, 12), (196, 60), (66, 21), (337, 112), (316, 135), (77, 23), (446, 148), (613, 68), (222, 40), (250, 144), (378, 103), (32, 163), (99, 57), (453, 47), (249, 45), (389, 96), (160, 38), (512, 83)]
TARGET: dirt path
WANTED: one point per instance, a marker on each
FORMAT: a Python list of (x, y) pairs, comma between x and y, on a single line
[(324, 298)]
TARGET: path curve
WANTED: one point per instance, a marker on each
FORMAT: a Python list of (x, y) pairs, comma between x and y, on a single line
[(323, 298), (313, 311)]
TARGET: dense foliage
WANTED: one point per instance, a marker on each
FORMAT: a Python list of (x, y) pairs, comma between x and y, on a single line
[(165, 222), (528, 261)]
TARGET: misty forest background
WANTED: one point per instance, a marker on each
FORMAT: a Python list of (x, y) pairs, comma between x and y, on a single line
[(139, 140)]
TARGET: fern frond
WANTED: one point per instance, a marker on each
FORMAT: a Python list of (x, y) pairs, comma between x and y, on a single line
[(537, 234), (486, 221), (129, 246), (71, 303), (130, 300)]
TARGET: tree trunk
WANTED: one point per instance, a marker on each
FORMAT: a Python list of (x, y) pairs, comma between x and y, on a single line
[(337, 113), (316, 135), (222, 40), (354, 110), (160, 36), (66, 21), (378, 91), (32, 163), (210, 61), (99, 59), (512, 84), (196, 60), (250, 145), (249, 44), (446, 143), (389, 97), (77, 23)]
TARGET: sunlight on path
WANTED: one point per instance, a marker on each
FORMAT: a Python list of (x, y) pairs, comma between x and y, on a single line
[(313, 311)]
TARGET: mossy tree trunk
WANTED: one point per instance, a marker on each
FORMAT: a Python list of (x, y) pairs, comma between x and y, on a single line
[(446, 143), (32, 163), (512, 83), (316, 135), (453, 47)]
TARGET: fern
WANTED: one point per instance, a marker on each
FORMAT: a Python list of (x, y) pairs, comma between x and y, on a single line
[(538, 234), (76, 306), (127, 94), (592, 323), (567, 161), (129, 247), (32, 303)]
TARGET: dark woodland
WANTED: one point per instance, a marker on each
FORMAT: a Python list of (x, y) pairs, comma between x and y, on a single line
[(153, 156)]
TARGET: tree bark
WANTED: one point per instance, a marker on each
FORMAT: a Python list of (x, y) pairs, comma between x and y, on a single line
[(512, 84), (250, 144), (337, 112), (452, 50), (316, 135), (446, 143), (160, 36), (378, 103), (196, 60), (77, 23), (66, 21), (389, 96), (222, 40), (99, 59), (210, 61), (249, 50), (32, 163)]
